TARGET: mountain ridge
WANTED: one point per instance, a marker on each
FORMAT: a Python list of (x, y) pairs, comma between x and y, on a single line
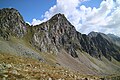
[(57, 42)]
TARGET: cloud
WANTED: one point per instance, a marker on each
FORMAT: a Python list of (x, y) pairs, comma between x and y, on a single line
[(28, 23), (86, 19), (36, 22)]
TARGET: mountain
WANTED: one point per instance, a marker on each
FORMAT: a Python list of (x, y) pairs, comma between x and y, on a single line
[(54, 35), (57, 34), (12, 31), (12, 23), (105, 45), (57, 43), (115, 39)]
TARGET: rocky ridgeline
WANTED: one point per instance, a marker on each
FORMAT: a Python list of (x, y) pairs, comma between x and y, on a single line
[(11, 23), (103, 45), (57, 35)]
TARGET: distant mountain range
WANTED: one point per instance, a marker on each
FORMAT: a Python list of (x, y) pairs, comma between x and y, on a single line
[(56, 42)]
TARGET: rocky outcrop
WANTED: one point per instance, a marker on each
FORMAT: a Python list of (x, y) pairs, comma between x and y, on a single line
[(115, 39), (56, 34), (88, 45), (104, 46), (11, 23), (98, 45)]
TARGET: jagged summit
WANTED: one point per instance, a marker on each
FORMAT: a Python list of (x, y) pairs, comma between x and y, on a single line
[(9, 9), (58, 16), (114, 39), (59, 19), (113, 36), (93, 34), (11, 23), (57, 42), (99, 34), (57, 33)]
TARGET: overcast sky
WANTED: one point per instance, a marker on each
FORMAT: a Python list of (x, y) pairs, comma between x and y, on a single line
[(85, 15)]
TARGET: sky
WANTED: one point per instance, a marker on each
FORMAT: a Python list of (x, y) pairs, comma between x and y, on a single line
[(29, 9), (85, 15)]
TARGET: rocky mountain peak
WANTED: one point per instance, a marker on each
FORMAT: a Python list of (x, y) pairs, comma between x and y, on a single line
[(113, 36), (56, 34), (59, 34), (104, 45), (99, 34), (58, 16), (57, 43), (114, 39), (93, 34), (11, 23), (60, 20)]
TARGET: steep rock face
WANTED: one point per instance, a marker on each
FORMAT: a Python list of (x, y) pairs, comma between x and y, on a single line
[(98, 45), (11, 23), (115, 39), (104, 46), (12, 32), (58, 34), (55, 35), (88, 45)]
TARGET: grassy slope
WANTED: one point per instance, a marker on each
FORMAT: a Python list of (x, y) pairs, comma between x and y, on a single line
[(104, 67), (21, 68), (86, 64), (17, 47), (14, 67)]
